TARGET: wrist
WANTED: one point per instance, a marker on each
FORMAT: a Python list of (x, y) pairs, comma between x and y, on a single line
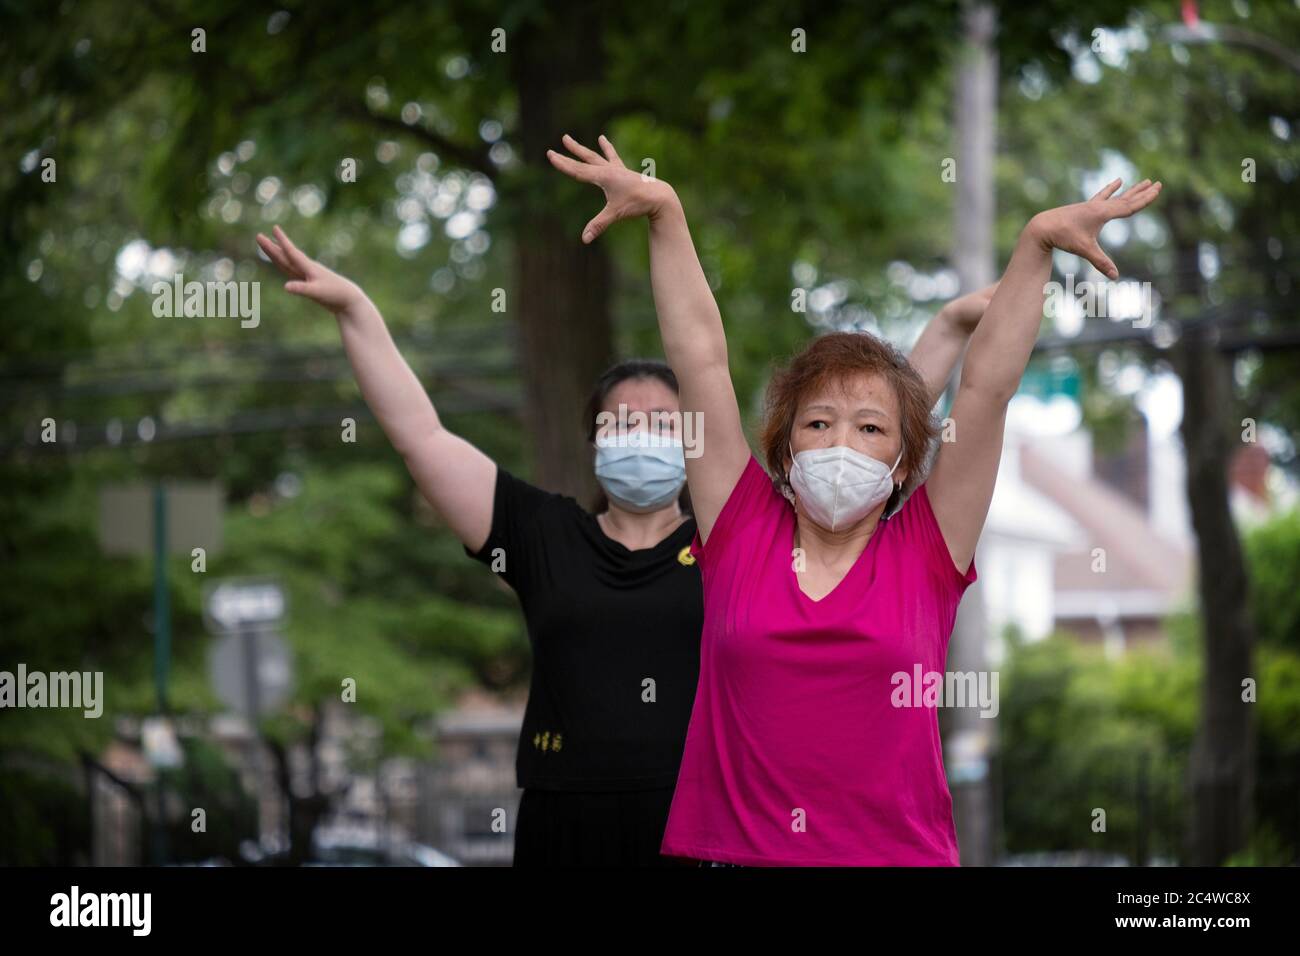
[(666, 204), (1036, 231), (353, 307)]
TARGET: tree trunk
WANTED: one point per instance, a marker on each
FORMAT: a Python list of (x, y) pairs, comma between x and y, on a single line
[(305, 811), (562, 296), (1223, 756)]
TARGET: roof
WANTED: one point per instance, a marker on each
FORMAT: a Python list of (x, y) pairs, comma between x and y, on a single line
[(1138, 559)]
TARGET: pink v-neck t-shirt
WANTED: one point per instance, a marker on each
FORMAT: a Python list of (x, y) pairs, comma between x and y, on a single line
[(797, 753)]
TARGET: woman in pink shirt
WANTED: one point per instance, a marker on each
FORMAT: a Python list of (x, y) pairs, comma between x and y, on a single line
[(832, 585)]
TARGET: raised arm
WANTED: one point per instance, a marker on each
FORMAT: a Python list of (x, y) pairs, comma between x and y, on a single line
[(694, 342), (944, 337), (961, 485), (457, 479)]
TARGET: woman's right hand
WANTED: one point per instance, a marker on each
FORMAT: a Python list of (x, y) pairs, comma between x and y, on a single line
[(308, 278), (628, 194), (457, 479)]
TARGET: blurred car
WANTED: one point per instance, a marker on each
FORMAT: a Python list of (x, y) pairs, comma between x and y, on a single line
[(354, 846)]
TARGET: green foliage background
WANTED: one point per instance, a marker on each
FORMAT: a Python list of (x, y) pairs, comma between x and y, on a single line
[(827, 166)]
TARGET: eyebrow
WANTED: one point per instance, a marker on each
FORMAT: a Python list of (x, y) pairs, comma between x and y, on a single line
[(832, 408)]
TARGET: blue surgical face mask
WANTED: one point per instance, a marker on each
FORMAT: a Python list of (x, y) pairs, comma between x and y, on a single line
[(639, 472)]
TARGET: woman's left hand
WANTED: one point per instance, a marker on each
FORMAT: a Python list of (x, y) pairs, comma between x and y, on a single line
[(1075, 228)]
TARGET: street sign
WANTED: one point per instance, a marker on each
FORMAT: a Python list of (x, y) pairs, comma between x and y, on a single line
[(127, 513), (1044, 381), (240, 604), (250, 666), (251, 672), (161, 747), (160, 519)]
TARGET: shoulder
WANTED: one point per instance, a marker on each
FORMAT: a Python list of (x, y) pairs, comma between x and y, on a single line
[(916, 528), (753, 502), (522, 511), (754, 493), (529, 497)]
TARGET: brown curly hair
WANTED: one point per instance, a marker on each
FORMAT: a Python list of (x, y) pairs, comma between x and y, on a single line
[(832, 358)]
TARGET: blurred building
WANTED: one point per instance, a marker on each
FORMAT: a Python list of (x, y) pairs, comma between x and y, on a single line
[(468, 797), (1100, 546)]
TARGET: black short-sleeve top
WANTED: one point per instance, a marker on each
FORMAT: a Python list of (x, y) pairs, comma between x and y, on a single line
[(615, 636)]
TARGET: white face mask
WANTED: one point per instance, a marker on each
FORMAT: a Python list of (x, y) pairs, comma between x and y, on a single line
[(838, 486)]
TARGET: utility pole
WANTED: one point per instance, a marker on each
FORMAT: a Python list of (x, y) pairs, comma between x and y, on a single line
[(970, 740)]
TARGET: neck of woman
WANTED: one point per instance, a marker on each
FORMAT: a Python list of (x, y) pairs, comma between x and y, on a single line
[(834, 547), (635, 529)]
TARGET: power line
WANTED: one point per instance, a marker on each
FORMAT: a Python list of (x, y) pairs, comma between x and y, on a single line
[(116, 434), (145, 356), (325, 370)]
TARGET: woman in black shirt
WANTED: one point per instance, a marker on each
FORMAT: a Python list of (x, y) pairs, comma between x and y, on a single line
[(612, 599), (614, 611)]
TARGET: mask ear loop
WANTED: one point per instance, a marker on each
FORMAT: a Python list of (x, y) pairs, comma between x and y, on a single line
[(896, 461), (897, 484), (787, 490)]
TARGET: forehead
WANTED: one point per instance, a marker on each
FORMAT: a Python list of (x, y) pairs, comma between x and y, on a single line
[(641, 394), (850, 393)]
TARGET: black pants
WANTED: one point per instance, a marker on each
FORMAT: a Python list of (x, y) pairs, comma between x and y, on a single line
[(561, 828)]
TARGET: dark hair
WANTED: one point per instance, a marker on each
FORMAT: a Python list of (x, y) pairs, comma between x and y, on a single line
[(616, 375), (835, 357)]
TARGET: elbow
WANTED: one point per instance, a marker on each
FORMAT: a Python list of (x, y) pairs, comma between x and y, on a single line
[(715, 358), (413, 441), (712, 363), (990, 393), (700, 357)]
